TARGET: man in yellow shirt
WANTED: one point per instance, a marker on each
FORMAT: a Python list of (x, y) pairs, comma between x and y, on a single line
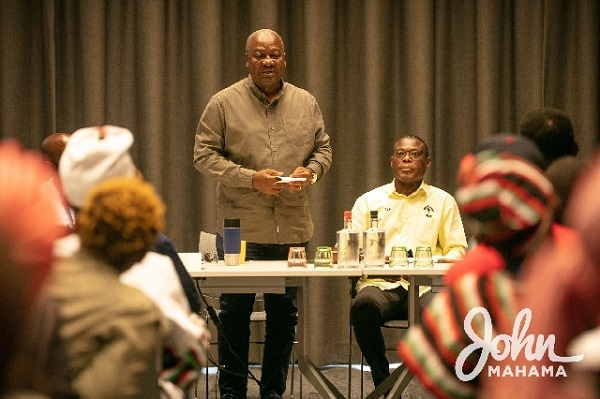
[(412, 213)]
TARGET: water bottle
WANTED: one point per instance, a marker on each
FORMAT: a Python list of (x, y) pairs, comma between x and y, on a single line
[(232, 241), (374, 243), (348, 245)]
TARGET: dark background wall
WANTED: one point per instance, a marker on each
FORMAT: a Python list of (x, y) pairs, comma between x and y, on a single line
[(452, 72)]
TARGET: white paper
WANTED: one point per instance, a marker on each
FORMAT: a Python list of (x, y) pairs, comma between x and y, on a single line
[(287, 179)]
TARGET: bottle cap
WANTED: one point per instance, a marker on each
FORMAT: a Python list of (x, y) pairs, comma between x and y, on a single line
[(374, 214), (347, 215), (231, 223)]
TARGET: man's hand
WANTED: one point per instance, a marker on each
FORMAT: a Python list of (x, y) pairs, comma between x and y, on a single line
[(266, 182), (300, 171)]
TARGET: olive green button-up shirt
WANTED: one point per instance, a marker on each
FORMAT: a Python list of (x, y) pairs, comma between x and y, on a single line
[(239, 133)]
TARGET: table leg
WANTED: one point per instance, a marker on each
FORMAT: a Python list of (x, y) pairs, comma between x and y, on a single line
[(323, 386), (398, 381), (316, 378), (413, 301)]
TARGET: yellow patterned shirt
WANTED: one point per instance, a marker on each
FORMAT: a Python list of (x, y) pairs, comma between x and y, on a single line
[(427, 217)]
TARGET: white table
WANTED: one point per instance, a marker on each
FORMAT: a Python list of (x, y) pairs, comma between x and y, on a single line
[(275, 276), (416, 278), (270, 277)]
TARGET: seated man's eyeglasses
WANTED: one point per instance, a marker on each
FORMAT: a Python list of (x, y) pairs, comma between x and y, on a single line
[(414, 155)]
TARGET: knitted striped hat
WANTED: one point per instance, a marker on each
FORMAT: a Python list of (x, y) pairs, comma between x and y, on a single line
[(503, 189)]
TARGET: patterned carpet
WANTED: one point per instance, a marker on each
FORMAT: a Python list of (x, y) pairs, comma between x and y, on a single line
[(337, 374)]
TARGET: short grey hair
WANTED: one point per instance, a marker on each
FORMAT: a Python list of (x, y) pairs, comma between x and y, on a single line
[(256, 33)]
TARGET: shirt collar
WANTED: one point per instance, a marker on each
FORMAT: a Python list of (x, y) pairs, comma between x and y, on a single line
[(423, 189), (260, 95)]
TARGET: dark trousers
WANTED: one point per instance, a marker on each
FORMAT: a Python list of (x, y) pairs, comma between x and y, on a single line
[(370, 309), (234, 336)]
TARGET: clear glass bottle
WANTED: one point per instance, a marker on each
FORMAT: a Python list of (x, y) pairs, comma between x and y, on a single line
[(374, 243), (348, 245)]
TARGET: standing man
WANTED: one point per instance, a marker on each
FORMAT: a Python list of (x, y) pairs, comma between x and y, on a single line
[(251, 132), (412, 213)]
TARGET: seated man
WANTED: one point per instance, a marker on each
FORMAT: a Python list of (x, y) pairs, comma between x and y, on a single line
[(412, 213)]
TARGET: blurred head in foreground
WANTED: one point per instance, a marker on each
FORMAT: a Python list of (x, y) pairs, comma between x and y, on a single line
[(28, 228), (53, 147), (551, 129), (119, 221), (91, 156), (564, 173), (505, 195), (583, 209)]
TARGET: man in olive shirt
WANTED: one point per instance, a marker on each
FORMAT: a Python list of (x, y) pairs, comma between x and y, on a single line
[(251, 132)]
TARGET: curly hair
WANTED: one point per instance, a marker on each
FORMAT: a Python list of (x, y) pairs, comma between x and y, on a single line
[(120, 219)]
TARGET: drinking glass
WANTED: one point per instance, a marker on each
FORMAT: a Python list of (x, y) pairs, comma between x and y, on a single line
[(297, 256), (423, 258), (323, 257), (399, 257)]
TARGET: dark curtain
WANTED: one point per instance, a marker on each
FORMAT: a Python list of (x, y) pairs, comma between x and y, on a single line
[(452, 72)]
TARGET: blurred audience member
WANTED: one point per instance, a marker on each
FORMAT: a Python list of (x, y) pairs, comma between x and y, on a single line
[(92, 156), (565, 302), (586, 374), (504, 193), (28, 228), (52, 149), (551, 129), (113, 332), (563, 173)]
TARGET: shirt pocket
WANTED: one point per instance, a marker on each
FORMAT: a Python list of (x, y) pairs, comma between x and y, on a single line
[(298, 131), (427, 232)]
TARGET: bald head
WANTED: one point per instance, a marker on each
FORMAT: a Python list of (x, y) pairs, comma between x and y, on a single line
[(53, 147)]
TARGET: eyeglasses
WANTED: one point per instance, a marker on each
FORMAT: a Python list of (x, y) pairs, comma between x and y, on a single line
[(414, 155)]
